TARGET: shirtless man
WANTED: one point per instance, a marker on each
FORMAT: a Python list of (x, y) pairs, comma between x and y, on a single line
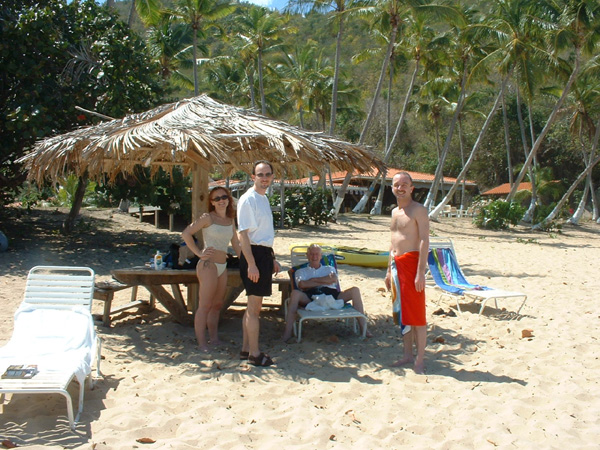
[(408, 260)]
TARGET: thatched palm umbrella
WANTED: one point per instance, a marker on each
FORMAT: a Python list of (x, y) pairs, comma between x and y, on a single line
[(197, 134)]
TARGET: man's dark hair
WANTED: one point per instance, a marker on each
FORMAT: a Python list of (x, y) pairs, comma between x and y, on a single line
[(261, 162)]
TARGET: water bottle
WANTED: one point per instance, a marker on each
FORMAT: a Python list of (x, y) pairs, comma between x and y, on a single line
[(158, 261)]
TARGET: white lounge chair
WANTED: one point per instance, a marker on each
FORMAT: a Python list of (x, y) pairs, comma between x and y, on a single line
[(54, 330), (298, 257), (449, 278)]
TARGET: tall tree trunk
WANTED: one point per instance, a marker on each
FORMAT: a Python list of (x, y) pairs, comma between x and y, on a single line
[(530, 213), (566, 196), (388, 109), (251, 87), (131, 16), (69, 223), (337, 204), (579, 179), (595, 208), (336, 75), (433, 215), (195, 65), (263, 106), (589, 185), (376, 210), (507, 141), (360, 207), (549, 123), (576, 217), (439, 174), (111, 4), (461, 144), (528, 216)]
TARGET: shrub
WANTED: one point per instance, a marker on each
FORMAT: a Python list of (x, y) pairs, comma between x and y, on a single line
[(499, 214), (303, 206)]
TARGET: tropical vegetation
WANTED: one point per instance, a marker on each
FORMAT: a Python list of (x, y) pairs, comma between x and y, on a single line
[(490, 90)]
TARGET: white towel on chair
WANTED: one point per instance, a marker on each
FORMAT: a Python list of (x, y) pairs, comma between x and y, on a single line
[(324, 302)]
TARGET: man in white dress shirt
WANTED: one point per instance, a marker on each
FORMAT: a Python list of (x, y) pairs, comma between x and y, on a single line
[(257, 262)]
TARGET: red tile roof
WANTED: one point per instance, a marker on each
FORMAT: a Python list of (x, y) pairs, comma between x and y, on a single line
[(504, 189), (416, 176)]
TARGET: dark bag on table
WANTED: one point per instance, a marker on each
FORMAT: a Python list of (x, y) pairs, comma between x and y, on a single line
[(233, 262)]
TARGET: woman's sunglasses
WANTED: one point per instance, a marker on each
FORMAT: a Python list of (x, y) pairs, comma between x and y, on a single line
[(218, 199)]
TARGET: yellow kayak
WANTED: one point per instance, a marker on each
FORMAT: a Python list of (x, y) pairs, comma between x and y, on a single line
[(354, 256)]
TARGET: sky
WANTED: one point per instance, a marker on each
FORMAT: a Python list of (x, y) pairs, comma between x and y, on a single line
[(279, 4)]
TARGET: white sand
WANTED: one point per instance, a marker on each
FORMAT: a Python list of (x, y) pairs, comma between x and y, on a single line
[(485, 386)]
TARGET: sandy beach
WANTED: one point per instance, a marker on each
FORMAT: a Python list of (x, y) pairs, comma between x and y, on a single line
[(486, 385)]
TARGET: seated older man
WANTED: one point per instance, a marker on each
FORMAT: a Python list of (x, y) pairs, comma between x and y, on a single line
[(316, 279)]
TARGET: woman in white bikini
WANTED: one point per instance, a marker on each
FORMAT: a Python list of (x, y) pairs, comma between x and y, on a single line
[(218, 230)]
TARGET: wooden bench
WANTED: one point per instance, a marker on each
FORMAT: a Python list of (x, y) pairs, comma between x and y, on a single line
[(105, 291), (141, 210)]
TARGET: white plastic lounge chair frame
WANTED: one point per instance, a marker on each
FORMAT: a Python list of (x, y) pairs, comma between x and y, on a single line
[(482, 296), (54, 290), (298, 257)]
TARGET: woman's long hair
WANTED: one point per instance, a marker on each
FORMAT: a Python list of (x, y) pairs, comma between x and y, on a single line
[(230, 211)]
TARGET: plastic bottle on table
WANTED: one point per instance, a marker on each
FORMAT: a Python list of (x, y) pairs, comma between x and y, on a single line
[(158, 259)]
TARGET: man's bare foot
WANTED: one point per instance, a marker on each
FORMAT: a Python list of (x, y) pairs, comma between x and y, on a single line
[(403, 361), (286, 337), (216, 343), (204, 348), (420, 368), (368, 334)]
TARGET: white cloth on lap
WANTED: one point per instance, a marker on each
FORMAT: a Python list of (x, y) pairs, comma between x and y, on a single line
[(324, 302)]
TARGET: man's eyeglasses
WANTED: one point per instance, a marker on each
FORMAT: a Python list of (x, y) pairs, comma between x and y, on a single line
[(218, 199), (264, 175)]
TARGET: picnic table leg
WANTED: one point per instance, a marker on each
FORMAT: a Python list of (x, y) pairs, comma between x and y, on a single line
[(107, 306), (176, 309), (177, 294), (193, 293)]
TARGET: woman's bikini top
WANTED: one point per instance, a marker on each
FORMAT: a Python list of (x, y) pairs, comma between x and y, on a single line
[(217, 236)]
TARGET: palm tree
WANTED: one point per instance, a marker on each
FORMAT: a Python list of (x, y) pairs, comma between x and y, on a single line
[(148, 10), (226, 80), (586, 92), (339, 10), (576, 30), (462, 51), (245, 50), (511, 43), (588, 169), (199, 15), (264, 30), (463, 173), (391, 13), (170, 45), (299, 74), (397, 59)]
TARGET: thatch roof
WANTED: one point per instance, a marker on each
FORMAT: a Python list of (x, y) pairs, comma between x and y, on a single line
[(199, 130)]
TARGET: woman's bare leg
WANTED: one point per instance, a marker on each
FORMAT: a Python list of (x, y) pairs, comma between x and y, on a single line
[(214, 313), (207, 277)]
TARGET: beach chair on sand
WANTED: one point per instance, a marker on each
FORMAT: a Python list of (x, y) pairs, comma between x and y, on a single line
[(450, 280), (54, 340), (298, 257)]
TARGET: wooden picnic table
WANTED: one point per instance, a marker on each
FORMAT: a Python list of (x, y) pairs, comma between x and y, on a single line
[(175, 303)]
